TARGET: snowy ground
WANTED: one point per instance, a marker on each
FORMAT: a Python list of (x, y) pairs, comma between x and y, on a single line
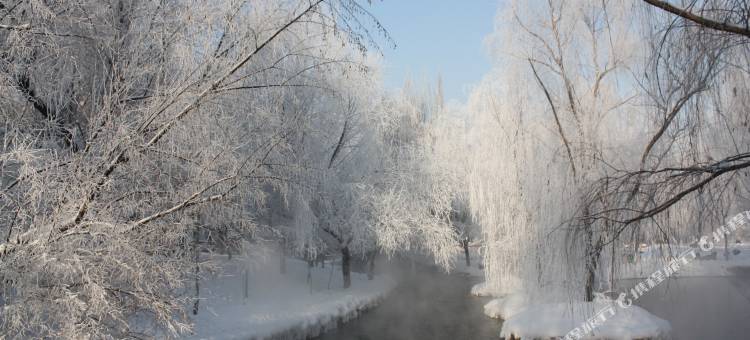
[(282, 306), (557, 320), (505, 307), (593, 320), (484, 289), (656, 257), (552, 319)]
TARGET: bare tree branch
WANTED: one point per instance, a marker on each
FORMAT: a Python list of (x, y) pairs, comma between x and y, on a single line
[(557, 119), (703, 21)]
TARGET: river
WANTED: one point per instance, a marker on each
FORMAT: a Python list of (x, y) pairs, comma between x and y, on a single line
[(429, 304), (702, 307), (426, 304)]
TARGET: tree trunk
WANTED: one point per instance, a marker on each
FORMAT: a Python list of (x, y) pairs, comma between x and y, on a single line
[(726, 247), (226, 242), (371, 264), (592, 253), (246, 284), (282, 257), (465, 244), (310, 265), (196, 255), (346, 266), (590, 277)]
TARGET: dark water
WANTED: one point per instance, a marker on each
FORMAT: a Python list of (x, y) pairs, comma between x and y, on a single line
[(429, 304), (702, 307), (426, 305)]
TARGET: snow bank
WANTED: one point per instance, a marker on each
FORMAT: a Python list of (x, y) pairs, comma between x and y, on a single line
[(557, 320), (481, 289), (656, 257), (283, 306), (487, 289), (505, 307)]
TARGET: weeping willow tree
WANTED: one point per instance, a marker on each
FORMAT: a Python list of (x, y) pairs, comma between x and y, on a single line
[(692, 170), (605, 125), (549, 121)]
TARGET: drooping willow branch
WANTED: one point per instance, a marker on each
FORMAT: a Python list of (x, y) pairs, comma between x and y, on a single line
[(557, 118), (648, 184)]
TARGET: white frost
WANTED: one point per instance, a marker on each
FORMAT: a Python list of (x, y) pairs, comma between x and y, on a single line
[(506, 307), (283, 306), (556, 320)]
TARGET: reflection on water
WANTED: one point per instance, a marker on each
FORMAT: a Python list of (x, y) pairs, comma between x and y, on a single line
[(427, 304)]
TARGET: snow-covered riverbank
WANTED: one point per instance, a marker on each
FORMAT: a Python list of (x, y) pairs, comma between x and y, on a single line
[(711, 263), (555, 317), (592, 320), (283, 306)]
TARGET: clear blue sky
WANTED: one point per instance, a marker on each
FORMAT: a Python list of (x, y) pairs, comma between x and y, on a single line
[(436, 37)]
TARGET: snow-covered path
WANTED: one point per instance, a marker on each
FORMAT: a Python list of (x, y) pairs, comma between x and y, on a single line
[(425, 305)]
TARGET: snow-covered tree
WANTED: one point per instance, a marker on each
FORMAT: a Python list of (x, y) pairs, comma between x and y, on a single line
[(606, 117), (413, 195), (544, 132), (130, 129), (689, 175)]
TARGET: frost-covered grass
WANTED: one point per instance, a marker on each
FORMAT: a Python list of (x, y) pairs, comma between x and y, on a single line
[(282, 306), (554, 320)]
